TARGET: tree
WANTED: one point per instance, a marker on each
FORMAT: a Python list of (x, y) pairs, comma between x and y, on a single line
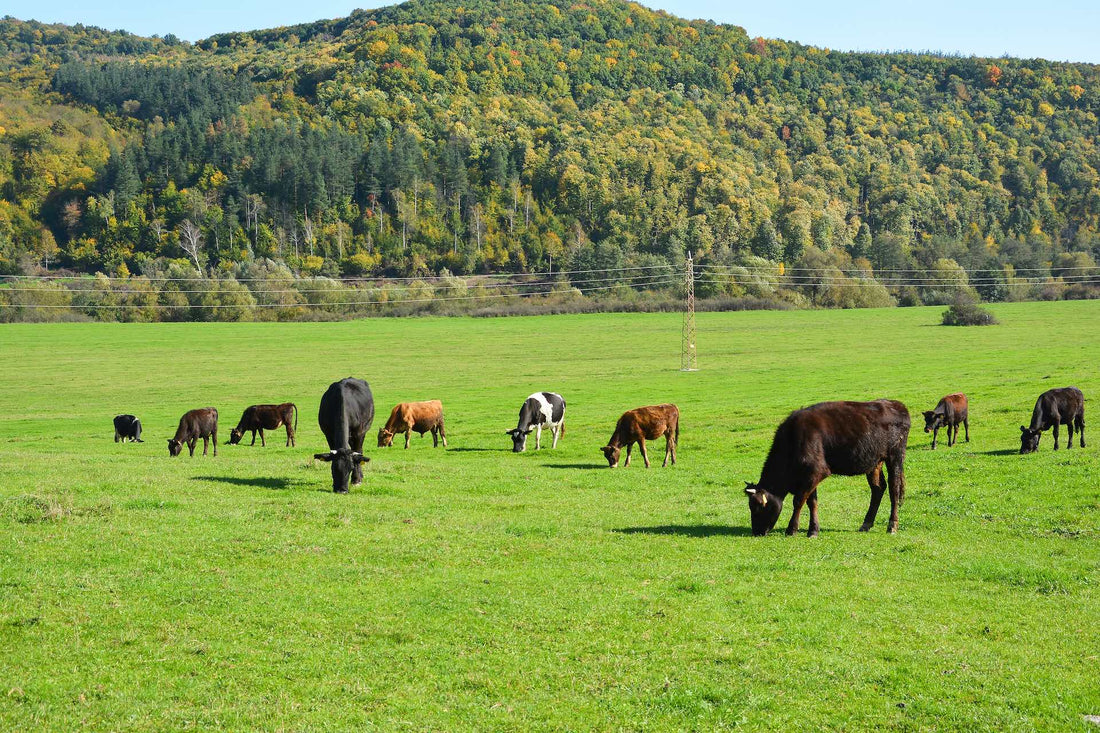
[(191, 242)]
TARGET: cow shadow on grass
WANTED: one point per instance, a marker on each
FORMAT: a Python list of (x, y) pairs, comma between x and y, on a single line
[(479, 450), (575, 465), (1002, 452), (275, 484), (689, 530)]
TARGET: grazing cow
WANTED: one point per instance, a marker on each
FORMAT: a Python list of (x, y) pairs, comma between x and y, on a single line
[(541, 408), (843, 438), (127, 427), (640, 424), (409, 416), (345, 416), (1063, 406), (950, 411), (201, 423), (266, 417)]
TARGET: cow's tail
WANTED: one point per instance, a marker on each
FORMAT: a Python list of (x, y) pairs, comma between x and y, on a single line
[(295, 417), (677, 430), (561, 430)]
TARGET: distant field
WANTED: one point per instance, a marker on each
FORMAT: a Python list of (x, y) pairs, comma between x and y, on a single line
[(474, 589)]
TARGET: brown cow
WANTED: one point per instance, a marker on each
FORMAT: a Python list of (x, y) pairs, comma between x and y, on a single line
[(266, 417), (843, 438), (950, 411), (409, 416), (640, 424), (201, 423)]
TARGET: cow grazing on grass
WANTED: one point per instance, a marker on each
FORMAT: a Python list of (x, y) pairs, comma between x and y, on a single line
[(950, 411), (345, 416), (541, 408), (201, 423), (407, 417), (843, 438), (1062, 406), (641, 424), (127, 427), (259, 418)]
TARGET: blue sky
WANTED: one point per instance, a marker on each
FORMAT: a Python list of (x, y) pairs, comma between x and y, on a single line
[(1054, 29)]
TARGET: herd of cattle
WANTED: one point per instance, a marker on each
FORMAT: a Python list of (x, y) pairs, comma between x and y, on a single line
[(811, 444)]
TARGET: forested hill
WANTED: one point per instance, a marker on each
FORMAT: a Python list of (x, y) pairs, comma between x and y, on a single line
[(475, 136)]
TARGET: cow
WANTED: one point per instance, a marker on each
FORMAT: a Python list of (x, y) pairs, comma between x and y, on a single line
[(842, 438), (195, 424), (640, 424), (1062, 406), (407, 417), (127, 427), (345, 416), (266, 417), (949, 412), (541, 408)]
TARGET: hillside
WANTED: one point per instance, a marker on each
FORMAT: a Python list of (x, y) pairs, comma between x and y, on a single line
[(495, 137)]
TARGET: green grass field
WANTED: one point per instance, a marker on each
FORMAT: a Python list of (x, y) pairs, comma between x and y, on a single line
[(475, 589)]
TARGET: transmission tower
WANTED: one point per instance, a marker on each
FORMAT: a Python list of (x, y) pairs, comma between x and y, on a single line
[(687, 344)]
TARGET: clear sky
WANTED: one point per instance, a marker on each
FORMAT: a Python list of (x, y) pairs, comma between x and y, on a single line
[(1053, 29)]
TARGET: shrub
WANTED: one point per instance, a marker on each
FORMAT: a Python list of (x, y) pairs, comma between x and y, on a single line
[(967, 313)]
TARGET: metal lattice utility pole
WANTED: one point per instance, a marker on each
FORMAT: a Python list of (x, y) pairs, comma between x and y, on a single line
[(688, 362)]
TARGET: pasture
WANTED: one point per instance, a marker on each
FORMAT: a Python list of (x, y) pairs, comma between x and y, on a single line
[(471, 588)]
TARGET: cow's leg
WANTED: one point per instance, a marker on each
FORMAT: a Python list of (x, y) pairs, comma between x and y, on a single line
[(289, 435), (626, 463), (356, 444), (896, 469), (815, 527), (1055, 435), (191, 446), (555, 430), (668, 449), (645, 453), (116, 436), (263, 443), (1081, 430), (408, 437), (435, 437), (800, 497), (935, 432), (538, 437), (878, 488), (253, 438), (966, 426), (1069, 426)]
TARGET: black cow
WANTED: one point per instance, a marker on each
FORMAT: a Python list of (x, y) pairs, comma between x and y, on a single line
[(345, 416), (843, 438), (266, 417), (949, 412), (541, 408), (1061, 406), (127, 427), (201, 423)]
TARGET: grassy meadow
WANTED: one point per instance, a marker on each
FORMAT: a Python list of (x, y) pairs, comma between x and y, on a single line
[(475, 589)]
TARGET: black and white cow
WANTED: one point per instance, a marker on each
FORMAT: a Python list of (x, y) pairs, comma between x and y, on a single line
[(541, 408), (127, 427)]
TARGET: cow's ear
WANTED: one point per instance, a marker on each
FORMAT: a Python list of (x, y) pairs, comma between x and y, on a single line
[(359, 458), (326, 457), (750, 490), (1023, 429), (928, 413)]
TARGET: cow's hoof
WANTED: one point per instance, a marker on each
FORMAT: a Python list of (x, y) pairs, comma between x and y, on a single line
[(791, 532), (812, 533), (866, 527), (340, 491), (893, 530)]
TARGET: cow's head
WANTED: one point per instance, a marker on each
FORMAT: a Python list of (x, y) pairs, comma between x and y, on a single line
[(519, 439), (175, 447), (1029, 440), (764, 509), (933, 420), (345, 465), (235, 436), (611, 453), (385, 438)]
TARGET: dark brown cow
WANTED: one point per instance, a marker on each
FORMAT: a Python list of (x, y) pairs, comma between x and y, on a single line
[(407, 417), (266, 417), (639, 425), (201, 423), (843, 438), (1062, 406), (951, 410)]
